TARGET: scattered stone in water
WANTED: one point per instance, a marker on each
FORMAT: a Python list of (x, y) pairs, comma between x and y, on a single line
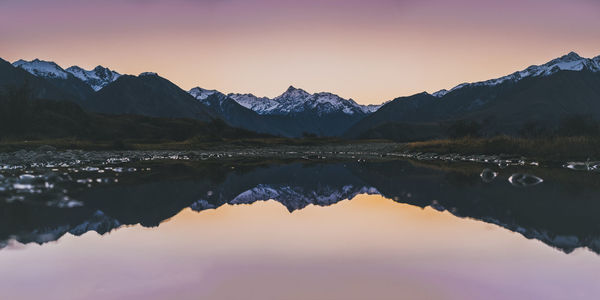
[(27, 177), (583, 166), (22, 186), (65, 202), (488, 175), (578, 166), (524, 180), (12, 199)]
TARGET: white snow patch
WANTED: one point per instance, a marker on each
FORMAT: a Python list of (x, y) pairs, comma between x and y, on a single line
[(569, 62), (97, 78), (42, 68)]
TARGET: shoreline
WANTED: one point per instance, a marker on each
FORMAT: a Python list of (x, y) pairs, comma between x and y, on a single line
[(556, 149), (28, 153)]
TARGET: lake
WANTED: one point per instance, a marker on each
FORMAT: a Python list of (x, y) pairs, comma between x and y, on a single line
[(170, 227)]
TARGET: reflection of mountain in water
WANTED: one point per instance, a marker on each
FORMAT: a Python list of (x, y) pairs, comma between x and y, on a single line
[(558, 213), (293, 197)]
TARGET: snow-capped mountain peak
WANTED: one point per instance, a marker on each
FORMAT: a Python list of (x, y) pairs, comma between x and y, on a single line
[(201, 94), (97, 78), (294, 100), (571, 56), (148, 74), (261, 105), (371, 108), (440, 93), (294, 93), (569, 62), (42, 68)]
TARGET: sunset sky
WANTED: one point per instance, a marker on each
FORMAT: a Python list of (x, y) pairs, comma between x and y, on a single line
[(371, 51)]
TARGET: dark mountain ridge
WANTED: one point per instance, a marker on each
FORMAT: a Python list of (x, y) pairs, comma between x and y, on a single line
[(148, 95), (537, 97), (500, 109)]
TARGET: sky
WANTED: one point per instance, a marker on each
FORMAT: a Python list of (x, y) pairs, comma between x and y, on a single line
[(370, 51)]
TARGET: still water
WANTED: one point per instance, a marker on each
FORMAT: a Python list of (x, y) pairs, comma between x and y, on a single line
[(300, 230)]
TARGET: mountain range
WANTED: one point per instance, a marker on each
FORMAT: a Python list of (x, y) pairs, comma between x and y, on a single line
[(541, 94), (293, 113)]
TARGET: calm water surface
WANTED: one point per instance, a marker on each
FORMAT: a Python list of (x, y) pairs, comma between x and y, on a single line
[(346, 230)]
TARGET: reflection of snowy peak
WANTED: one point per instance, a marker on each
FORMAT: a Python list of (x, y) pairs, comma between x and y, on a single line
[(98, 222), (566, 243), (293, 198), (569, 62)]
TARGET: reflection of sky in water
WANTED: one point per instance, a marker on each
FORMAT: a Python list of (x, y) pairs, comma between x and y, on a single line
[(367, 248)]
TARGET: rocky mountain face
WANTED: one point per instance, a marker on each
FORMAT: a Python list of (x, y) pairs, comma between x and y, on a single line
[(97, 78), (542, 94), (568, 62), (57, 76), (295, 101), (293, 114), (150, 95), (539, 96)]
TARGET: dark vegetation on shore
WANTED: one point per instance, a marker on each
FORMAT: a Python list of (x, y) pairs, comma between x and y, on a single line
[(552, 148), (27, 124), (575, 137), (22, 118)]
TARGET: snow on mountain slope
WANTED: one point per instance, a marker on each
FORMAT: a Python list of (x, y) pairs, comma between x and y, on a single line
[(440, 93), (371, 108), (295, 100), (201, 94), (569, 62), (41, 68), (261, 105), (97, 78)]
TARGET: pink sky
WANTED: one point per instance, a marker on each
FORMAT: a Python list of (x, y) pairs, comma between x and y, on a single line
[(371, 51), (366, 248)]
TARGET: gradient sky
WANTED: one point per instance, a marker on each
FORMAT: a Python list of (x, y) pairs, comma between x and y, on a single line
[(371, 51)]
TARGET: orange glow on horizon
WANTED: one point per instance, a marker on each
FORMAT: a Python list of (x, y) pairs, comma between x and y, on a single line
[(370, 52)]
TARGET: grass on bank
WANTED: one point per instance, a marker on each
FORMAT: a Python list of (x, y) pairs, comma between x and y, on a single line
[(195, 143), (552, 148)]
